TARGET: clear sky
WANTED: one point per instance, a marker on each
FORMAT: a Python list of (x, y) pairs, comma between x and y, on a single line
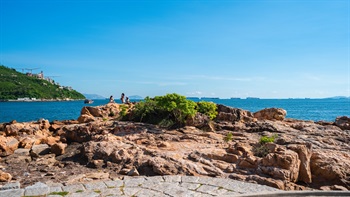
[(212, 48)]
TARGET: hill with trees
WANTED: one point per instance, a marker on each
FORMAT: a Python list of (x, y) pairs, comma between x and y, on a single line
[(14, 85)]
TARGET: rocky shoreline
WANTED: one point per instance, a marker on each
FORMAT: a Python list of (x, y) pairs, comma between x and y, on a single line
[(99, 145)]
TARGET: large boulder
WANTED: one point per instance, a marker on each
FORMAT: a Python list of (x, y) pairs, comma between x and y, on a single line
[(113, 151), (26, 142), (77, 133), (343, 122), (85, 118), (58, 148), (282, 165), (8, 145), (331, 167), (44, 124), (201, 121), (40, 149), (5, 177), (13, 129), (304, 153), (233, 114), (271, 114)]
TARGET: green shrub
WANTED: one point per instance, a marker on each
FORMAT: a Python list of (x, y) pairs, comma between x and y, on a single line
[(111, 114), (207, 108), (178, 106), (261, 149), (228, 137), (169, 110), (266, 139), (123, 108), (146, 111)]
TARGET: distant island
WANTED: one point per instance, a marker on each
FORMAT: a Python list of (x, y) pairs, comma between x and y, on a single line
[(17, 86), (339, 97), (135, 97), (93, 96)]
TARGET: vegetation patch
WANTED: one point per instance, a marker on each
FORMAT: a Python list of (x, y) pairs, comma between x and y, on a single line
[(207, 108), (171, 110), (111, 187), (123, 110), (228, 137), (266, 139), (122, 189), (14, 85), (59, 193), (261, 150)]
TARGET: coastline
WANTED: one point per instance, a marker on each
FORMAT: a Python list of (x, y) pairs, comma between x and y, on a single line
[(41, 100), (100, 140)]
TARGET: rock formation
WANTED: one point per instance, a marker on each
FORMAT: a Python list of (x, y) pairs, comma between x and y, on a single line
[(303, 154)]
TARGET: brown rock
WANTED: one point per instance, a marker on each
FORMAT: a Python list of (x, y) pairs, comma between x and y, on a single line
[(133, 172), (163, 145), (51, 140), (58, 148), (343, 122), (267, 181), (8, 145), (48, 160), (44, 124), (230, 114), (230, 158), (55, 126), (5, 177), (333, 187), (13, 129), (271, 114), (161, 166), (97, 175), (304, 153), (245, 148), (330, 167), (85, 118), (248, 162), (26, 143), (287, 160), (40, 149), (98, 163), (120, 155)]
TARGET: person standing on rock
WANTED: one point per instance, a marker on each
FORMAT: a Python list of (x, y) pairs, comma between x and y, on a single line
[(122, 98)]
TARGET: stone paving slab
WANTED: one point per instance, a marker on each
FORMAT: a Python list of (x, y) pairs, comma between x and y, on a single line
[(12, 193), (160, 186)]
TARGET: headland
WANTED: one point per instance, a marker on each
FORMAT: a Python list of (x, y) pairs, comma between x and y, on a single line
[(263, 148)]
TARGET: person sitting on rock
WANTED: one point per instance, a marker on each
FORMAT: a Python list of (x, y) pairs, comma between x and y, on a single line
[(127, 100), (111, 99)]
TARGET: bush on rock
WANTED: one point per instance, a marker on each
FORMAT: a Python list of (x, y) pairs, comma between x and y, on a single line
[(171, 110)]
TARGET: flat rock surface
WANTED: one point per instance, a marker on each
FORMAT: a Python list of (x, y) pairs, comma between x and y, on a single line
[(146, 186)]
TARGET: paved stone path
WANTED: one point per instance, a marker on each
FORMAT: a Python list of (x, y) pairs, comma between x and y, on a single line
[(141, 186), (168, 186)]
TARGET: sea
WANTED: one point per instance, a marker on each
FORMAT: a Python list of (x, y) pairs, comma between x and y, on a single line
[(302, 109)]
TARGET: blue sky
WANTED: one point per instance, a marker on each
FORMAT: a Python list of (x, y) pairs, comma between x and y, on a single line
[(267, 49)]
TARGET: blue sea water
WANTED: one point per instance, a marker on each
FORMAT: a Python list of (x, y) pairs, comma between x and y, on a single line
[(304, 109)]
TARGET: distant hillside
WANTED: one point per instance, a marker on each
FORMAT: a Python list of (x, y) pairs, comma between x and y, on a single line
[(135, 97), (339, 97), (94, 96), (14, 85)]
